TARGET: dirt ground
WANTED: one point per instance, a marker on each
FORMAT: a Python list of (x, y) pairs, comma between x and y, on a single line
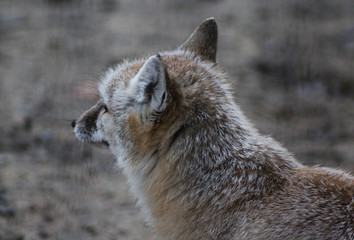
[(292, 62)]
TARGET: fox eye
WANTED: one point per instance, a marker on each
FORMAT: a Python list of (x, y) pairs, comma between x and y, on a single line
[(105, 109)]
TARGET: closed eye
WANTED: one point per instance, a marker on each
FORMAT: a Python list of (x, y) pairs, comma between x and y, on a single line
[(105, 109)]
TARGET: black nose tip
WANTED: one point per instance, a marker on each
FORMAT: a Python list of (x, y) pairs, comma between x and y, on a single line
[(73, 123)]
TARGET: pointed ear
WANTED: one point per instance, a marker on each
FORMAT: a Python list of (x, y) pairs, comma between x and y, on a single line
[(148, 87), (203, 41)]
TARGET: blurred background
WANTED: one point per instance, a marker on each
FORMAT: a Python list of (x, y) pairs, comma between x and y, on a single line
[(292, 62)]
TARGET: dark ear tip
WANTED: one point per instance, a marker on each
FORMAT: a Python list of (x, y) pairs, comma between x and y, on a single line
[(158, 56), (210, 20), (209, 23), (203, 41)]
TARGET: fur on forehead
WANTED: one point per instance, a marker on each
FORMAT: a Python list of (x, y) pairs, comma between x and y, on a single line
[(118, 77), (179, 62)]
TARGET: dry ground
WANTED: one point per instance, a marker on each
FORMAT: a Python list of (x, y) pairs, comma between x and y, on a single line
[(293, 62)]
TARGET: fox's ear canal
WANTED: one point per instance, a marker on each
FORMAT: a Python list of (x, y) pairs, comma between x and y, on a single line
[(149, 85), (203, 41)]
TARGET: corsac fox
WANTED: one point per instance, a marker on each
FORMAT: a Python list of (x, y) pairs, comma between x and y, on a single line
[(195, 163)]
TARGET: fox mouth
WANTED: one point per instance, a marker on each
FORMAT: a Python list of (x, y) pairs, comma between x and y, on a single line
[(102, 144), (86, 137)]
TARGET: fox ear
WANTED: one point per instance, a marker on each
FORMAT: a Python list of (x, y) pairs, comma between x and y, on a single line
[(203, 41), (149, 85)]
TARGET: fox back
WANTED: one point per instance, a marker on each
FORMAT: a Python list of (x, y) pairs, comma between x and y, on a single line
[(197, 166)]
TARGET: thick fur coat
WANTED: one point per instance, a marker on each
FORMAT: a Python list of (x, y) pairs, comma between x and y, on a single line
[(197, 166)]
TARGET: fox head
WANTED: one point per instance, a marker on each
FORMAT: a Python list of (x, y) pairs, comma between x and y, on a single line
[(144, 104)]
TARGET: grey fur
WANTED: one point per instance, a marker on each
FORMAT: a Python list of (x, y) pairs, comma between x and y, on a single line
[(199, 169)]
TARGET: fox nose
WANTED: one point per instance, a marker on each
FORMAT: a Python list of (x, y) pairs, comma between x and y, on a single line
[(73, 123)]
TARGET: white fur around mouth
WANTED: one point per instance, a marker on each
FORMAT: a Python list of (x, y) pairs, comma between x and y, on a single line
[(95, 140)]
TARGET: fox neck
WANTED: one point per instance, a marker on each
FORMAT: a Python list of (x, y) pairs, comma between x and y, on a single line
[(193, 165)]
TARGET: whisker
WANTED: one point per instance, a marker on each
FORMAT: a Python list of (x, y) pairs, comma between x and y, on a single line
[(66, 120), (88, 73)]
